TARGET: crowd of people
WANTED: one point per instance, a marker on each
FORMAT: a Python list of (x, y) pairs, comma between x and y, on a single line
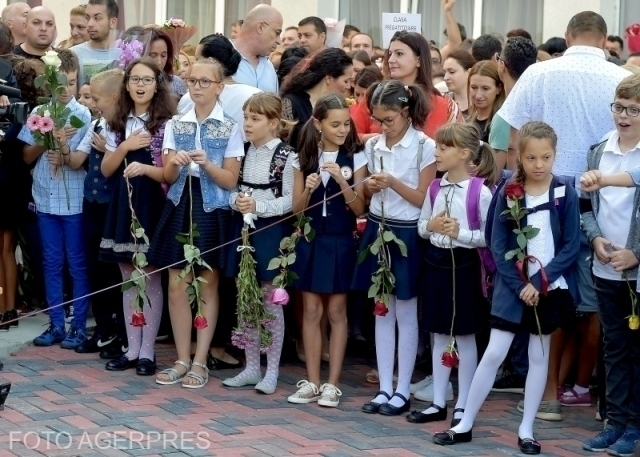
[(479, 197)]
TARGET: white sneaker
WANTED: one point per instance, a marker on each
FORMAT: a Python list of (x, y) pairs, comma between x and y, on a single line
[(426, 394), (307, 392), (330, 395), (421, 384)]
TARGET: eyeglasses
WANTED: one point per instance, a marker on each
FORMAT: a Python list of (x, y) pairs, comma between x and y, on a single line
[(146, 80), (389, 122), (204, 83), (630, 110), (278, 31)]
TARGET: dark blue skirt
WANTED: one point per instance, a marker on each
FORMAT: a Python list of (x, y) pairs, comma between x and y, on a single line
[(265, 242), (405, 269)]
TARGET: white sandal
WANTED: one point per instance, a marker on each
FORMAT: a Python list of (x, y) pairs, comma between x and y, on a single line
[(172, 373), (202, 380)]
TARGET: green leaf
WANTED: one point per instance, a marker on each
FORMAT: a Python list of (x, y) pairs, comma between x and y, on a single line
[(284, 242), (142, 259), (373, 291), (62, 79), (139, 232), (39, 81), (522, 241), (375, 248), (274, 263), (506, 212), (402, 247), (533, 232), (291, 258), (388, 236), (126, 286), (520, 255), (511, 254), (182, 238), (307, 229), (362, 255), (76, 122)]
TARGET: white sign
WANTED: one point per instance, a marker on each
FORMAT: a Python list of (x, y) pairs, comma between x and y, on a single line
[(395, 22)]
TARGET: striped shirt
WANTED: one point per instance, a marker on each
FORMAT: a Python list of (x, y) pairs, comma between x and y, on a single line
[(49, 194), (257, 164)]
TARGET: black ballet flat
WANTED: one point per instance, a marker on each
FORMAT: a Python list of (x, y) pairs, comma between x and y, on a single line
[(529, 446), (146, 367), (372, 407), (217, 364), (418, 417), (390, 410), (122, 363), (455, 421), (450, 437)]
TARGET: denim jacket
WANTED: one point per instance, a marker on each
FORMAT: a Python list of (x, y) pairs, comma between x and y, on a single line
[(214, 136)]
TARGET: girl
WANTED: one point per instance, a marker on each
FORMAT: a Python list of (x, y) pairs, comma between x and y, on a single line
[(486, 95), (133, 150), (556, 247), (185, 66), (401, 164), (456, 76), (330, 163), (204, 146), (446, 223), (266, 190), (363, 81), (84, 98)]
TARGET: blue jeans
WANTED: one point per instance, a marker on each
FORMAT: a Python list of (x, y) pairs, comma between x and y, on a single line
[(62, 235)]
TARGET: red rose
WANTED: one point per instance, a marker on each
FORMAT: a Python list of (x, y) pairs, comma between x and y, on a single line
[(137, 320), (200, 322), (361, 224), (514, 191), (380, 309), (449, 359)]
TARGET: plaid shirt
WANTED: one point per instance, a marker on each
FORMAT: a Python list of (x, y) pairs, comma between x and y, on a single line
[(48, 188)]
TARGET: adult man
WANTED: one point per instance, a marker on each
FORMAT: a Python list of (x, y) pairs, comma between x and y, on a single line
[(362, 42), (454, 32), (634, 59), (572, 93), (615, 44), (40, 30), (289, 36), (99, 53), (235, 29), (347, 34), (259, 36), (15, 16), (486, 47), (312, 34)]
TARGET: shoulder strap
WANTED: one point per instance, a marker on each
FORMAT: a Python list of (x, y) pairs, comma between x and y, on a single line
[(420, 149), (434, 188), (473, 202), (276, 168)]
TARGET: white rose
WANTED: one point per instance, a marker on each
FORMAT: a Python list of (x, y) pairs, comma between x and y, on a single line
[(51, 59), (46, 113)]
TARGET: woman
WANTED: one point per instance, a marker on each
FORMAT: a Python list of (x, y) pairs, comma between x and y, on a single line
[(325, 72), (78, 25), (185, 62), (408, 60), (365, 78), (160, 49), (456, 76), (360, 60), (486, 95)]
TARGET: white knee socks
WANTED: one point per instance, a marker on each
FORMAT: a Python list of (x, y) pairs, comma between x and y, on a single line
[(273, 354)]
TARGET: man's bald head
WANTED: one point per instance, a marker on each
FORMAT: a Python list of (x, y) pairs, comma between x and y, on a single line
[(261, 30), (15, 16), (40, 28), (266, 13)]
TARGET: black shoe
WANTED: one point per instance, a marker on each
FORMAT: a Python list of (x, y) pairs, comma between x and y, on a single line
[(450, 437), (116, 348), (13, 316), (509, 382), (121, 364), (372, 407), (390, 410), (4, 317), (418, 417), (529, 446), (89, 345), (455, 421), (217, 364), (4, 393), (146, 367)]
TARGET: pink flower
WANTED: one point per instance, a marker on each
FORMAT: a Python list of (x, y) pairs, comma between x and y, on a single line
[(33, 123), (330, 23), (137, 319), (45, 124), (200, 322), (177, 22), (279, 296)]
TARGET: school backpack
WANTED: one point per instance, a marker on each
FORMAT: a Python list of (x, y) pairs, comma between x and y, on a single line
[(375, 139), (276, 168)]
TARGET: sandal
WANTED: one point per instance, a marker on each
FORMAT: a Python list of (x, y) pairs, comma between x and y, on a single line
[(202, 380), (172, 373), (372, 377)]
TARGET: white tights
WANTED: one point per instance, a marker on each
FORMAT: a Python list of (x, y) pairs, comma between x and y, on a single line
[(499, 344)]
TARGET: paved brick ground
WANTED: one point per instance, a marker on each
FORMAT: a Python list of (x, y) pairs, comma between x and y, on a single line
[(66, 404)]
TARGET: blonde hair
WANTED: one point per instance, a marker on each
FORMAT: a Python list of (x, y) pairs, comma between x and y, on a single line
[(109, 80), (270, 106), (468, 136), (632, 68), (542, 56), (629, 88), (79, 10), (534, 130), (219, 69), (189, 50)]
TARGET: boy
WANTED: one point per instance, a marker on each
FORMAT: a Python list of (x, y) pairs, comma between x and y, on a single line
[(110, 335), (59, 219), (614, 234)]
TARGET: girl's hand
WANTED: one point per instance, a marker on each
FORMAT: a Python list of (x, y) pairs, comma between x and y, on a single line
[(245, 204), (384, 180), (60, 136), (436, 224), (530, 295), (591, 181), (312, 182), (602, 248), (98, 142), (181, 159), (334, 170), (451, 227), (199, 157), (138, 140), (135, 169), (372, 186), (70, 131), (622, 259), (55, 158)]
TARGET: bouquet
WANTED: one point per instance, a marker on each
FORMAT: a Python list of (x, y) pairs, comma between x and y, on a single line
[(130, 50), (52, 114), (180, 33), (632, 34)]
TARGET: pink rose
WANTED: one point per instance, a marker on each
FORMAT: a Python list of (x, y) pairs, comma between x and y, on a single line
[(45, 124), (330, 23), (177, 22), (200, 322), (279, 296)]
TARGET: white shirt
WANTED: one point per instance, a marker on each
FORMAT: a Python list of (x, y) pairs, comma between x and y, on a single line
[(400, 161), (572, 94), (542, 246), (616, 203), (235, 146), (133, 123), (454, 196), (231, 99)]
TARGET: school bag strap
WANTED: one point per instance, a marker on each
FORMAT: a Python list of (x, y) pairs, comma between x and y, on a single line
[(374, 141), (276, 169)]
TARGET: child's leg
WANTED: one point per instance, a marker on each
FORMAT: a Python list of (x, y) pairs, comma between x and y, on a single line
[(312, 335), (385, 349), (468, 352), (499, 343), (270, 380), (337, 313), (153, 315), (51, 228), (407, 316), (534, 388), (78, 268), (440, 372), (10, 270), (134, 334)]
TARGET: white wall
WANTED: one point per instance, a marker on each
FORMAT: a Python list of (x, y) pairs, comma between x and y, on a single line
[(61, 10), (557, 14), (294, 11)]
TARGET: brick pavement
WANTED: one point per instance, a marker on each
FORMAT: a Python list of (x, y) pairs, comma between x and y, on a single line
[(66, 404)]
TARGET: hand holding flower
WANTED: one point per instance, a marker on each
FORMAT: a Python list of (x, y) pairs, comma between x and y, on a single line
[(55, 158), (530, 295), (199, 157), (384, 180), (61, 136), (245, 204), (372, 186), (312, 182), (181, 159), (451, 227), (622, 259), (436, 224), (601, 248), (135, 169), (334, 170)]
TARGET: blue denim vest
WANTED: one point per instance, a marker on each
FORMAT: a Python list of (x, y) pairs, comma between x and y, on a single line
[(97, 188), (214, 136)]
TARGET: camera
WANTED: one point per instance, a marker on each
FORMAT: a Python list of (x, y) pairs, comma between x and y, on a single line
[(14, 113)]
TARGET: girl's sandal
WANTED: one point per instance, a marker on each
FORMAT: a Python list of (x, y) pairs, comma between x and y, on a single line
[(172, 373), (202, 380), (372, 377)]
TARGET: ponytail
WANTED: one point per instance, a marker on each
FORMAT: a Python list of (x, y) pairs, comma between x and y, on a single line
[(486, 165), (308, 142), (393, 95), (284, 129)]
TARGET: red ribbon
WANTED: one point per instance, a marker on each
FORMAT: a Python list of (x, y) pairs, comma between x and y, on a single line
[(544, 283)]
